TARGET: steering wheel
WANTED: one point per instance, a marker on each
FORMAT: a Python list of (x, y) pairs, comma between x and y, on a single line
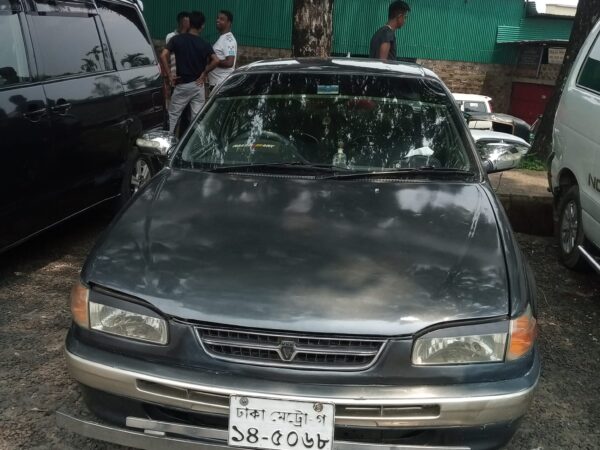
[(303, 133), (275, 137)]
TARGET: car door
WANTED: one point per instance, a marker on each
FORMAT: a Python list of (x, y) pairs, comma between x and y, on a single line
[(26, 189), (136, 63), (87, 107)]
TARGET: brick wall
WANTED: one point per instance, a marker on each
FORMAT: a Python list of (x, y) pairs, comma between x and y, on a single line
[(246, 55), (493, 80)]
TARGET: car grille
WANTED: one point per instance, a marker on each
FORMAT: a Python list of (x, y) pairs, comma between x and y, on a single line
[(288, 350)]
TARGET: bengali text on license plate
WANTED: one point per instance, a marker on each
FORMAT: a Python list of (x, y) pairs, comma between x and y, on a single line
[(280, 424)]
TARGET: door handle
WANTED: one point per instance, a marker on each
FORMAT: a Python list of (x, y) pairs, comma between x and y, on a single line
[(36, 115), (61, 107)]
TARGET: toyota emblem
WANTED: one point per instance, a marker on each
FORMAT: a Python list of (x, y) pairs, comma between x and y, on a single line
[(288, 350)]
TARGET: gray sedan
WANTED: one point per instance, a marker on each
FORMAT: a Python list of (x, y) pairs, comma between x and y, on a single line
[(322, 264)]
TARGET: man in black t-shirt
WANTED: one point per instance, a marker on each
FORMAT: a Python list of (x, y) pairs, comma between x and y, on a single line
[(194, 59), (383, 42)]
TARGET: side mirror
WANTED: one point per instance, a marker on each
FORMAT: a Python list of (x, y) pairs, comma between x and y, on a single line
[(500, 157), (157, 142)]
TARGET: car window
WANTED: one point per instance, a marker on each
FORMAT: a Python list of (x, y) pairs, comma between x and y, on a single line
[(64, 6), (589, 76), (9, 5), (13, 59), (62, 53), (378, 122), (470, 106), (127, 36)]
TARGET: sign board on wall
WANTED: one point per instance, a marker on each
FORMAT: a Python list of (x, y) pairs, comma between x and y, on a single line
[(556, 55)]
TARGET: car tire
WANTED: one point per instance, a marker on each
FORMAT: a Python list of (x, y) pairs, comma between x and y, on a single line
[(141, 171), (138, 171), (570, 230)]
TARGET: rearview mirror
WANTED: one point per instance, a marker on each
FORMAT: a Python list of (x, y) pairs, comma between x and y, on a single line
[(500, 157), (157, 142)]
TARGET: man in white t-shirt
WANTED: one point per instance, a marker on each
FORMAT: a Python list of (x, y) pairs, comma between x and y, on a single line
[(225, 48)]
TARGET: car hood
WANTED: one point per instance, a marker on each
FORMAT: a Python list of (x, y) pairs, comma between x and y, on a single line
[(344, 257)]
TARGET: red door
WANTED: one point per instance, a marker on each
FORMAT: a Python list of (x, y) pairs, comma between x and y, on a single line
[(528, 100)]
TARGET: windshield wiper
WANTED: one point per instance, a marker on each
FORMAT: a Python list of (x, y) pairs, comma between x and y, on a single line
[(424, 172), (278, 166)]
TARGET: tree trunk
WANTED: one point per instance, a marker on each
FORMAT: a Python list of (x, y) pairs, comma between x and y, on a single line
[(588, 12), (312, 28)]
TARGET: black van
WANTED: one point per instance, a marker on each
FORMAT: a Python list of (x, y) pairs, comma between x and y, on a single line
[(79, 82)]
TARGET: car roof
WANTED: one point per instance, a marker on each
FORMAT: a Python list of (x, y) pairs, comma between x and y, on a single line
[(339, 65), (138, 3), (471, 97), (488, 134)]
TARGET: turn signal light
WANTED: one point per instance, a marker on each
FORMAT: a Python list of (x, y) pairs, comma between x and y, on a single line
[(523, 332), (79, 305)]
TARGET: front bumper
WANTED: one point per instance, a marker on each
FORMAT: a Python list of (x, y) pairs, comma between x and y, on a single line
[(473, 406), (424, 406), (154, 436)]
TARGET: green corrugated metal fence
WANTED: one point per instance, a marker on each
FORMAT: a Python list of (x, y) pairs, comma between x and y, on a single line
[(459, 30), (258, 23), (435, 29), (536, 30)]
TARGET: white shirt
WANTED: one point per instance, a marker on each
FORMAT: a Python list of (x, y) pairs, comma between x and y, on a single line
[(225, 46), (172, 64)]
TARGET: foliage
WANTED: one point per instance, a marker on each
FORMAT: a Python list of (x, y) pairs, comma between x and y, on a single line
[(533, 162)]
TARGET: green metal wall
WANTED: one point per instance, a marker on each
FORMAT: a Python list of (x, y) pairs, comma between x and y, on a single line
[(458, 30), (536, 29), (258, 23)]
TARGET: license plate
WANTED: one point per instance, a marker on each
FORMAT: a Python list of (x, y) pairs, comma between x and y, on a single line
[(280, 424)]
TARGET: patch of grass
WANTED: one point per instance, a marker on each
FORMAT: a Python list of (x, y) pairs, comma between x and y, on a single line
[(533, 162)]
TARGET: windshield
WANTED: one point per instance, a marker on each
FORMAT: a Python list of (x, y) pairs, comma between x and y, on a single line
[(348, 122), (471, 106)]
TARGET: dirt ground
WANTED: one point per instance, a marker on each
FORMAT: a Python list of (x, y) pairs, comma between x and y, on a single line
[(34, 284)]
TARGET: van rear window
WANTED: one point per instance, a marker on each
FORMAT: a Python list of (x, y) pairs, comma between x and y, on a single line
[(127, 36)]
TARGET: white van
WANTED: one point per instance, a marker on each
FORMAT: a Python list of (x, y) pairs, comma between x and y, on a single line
[(575, 169)]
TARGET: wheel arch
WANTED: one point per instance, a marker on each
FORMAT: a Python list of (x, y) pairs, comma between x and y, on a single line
[(566, 179)]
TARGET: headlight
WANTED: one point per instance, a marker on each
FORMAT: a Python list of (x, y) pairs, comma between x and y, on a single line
[(485, 343), (460, 349), (132, 325)]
